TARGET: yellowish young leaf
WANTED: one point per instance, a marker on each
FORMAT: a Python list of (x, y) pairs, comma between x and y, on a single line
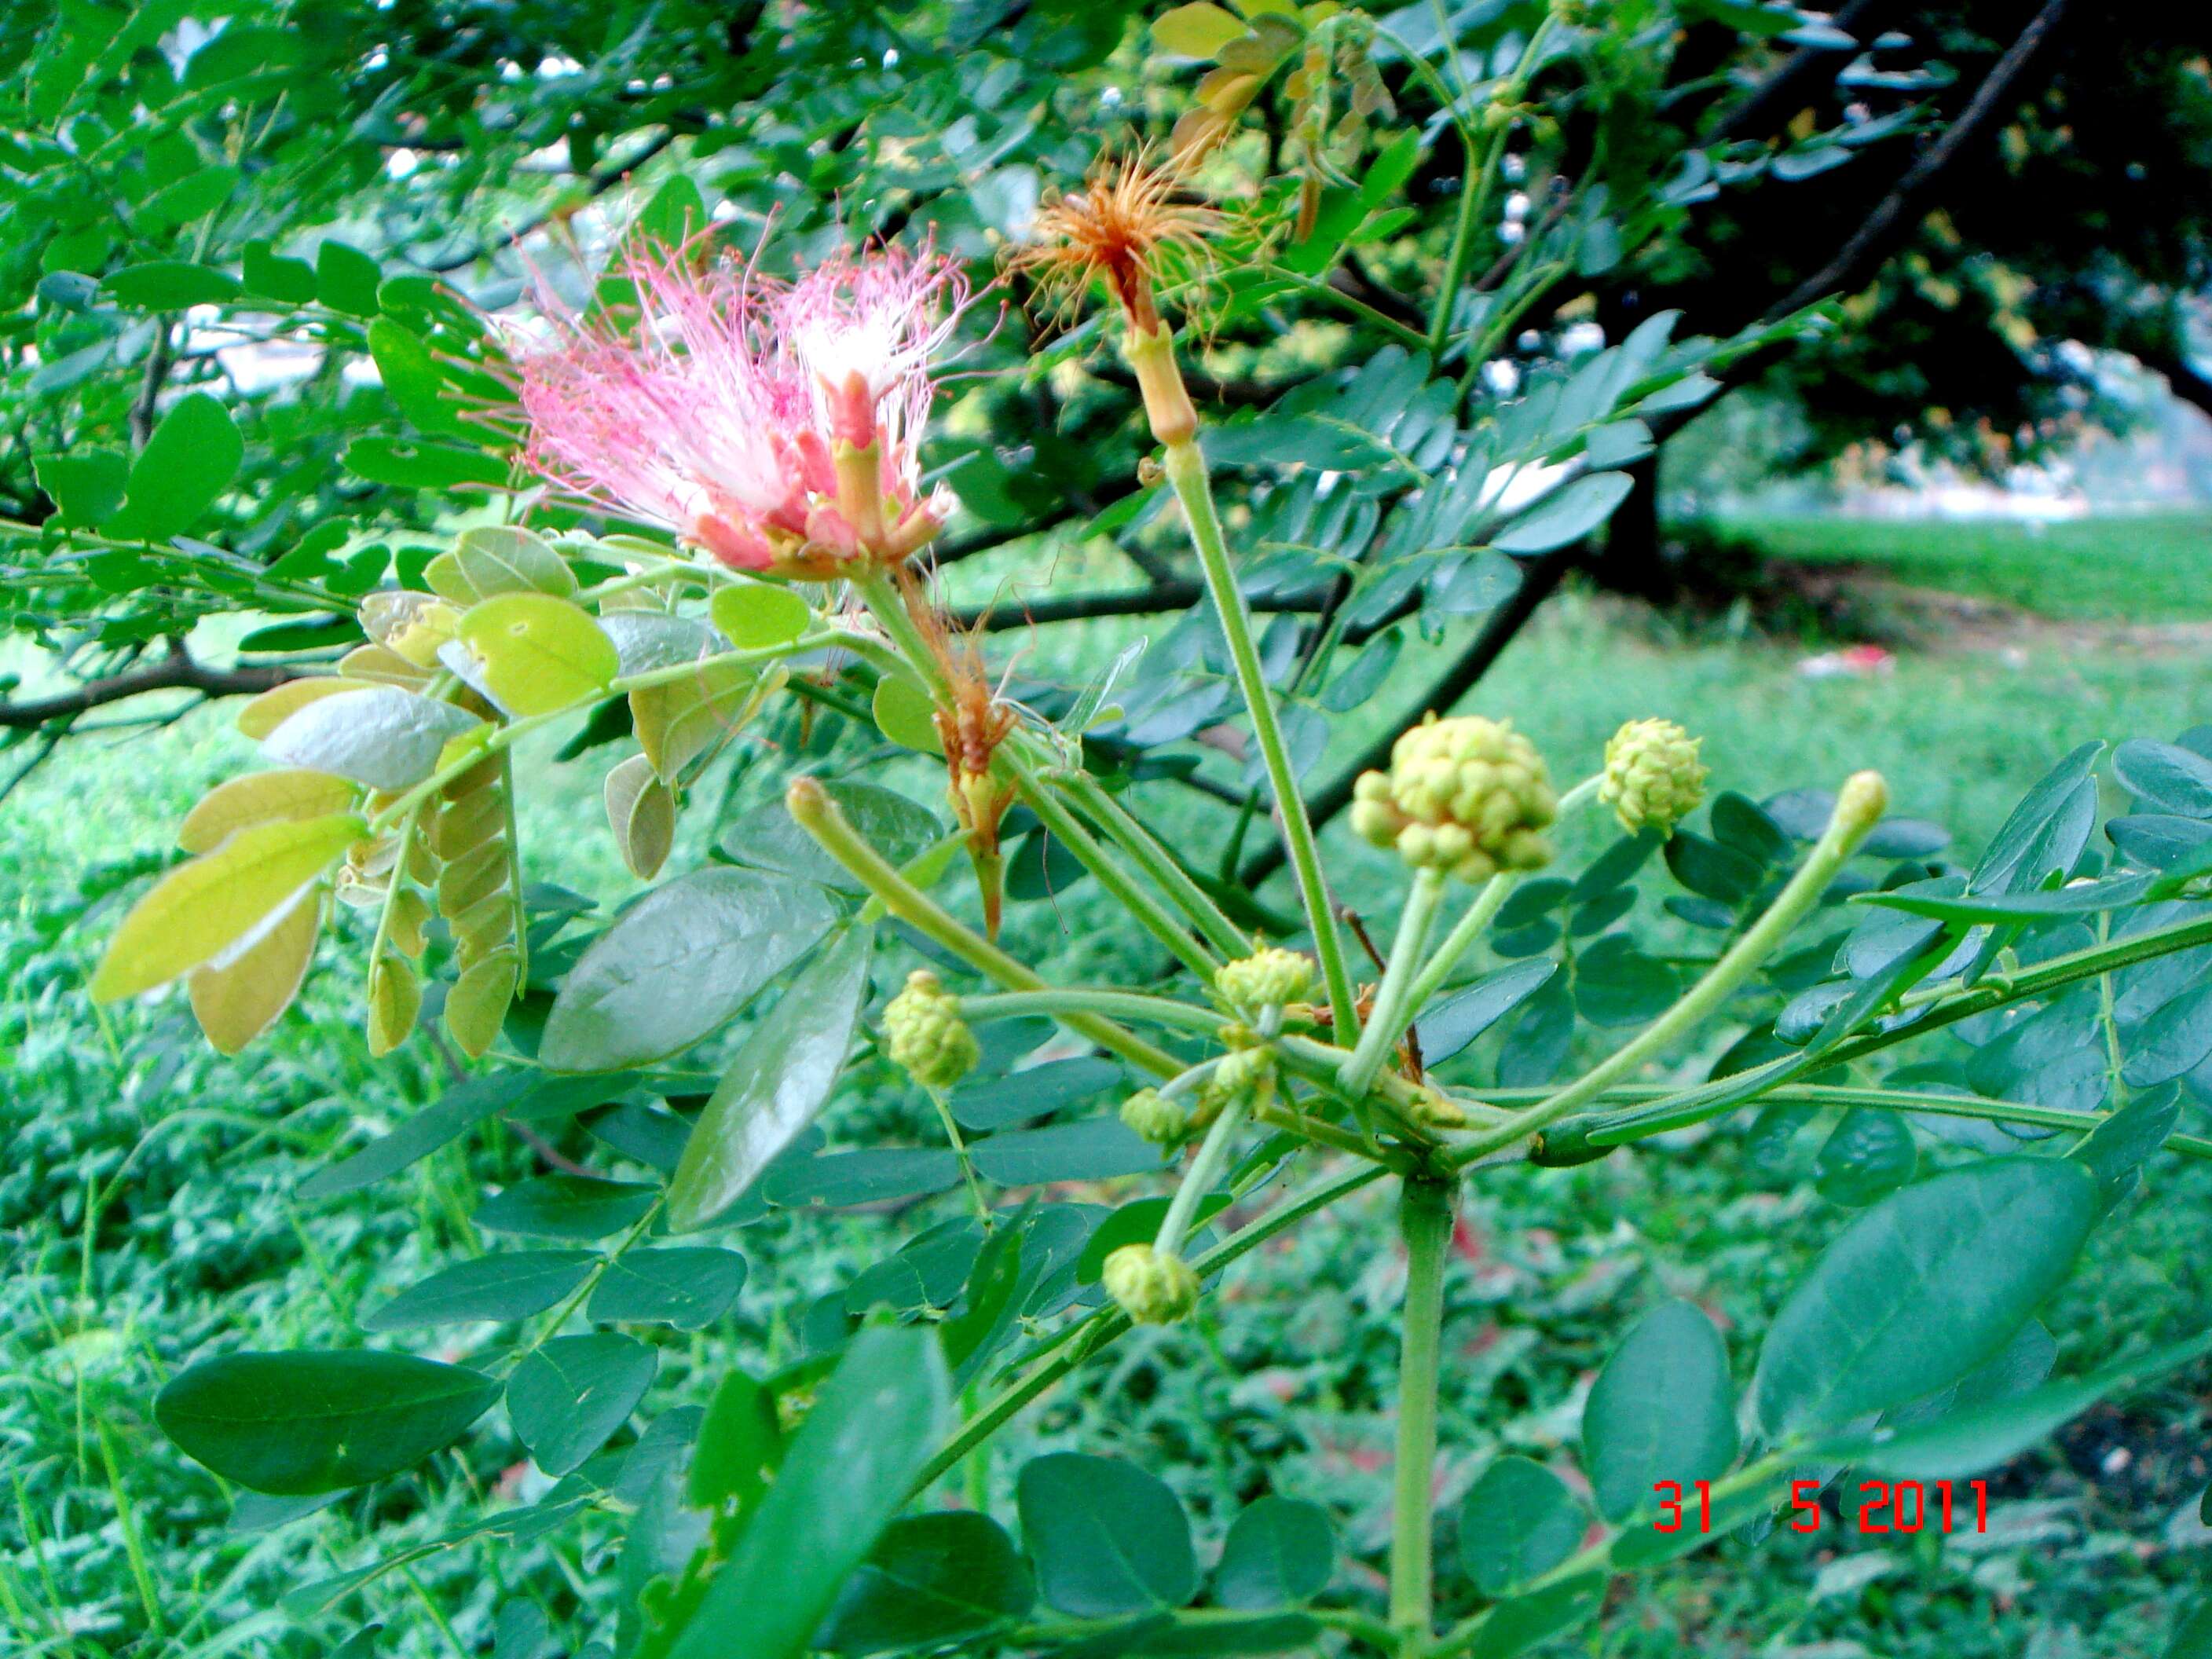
[(753, 615), (1196, 31), (287, 794), (476, 1007), (265, 713), (382, 665), (395, 997), (200, 909), (238, 1001), (504, 559), (538, 653)]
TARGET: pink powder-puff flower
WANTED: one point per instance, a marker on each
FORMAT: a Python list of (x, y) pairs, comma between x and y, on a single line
[(776, 425)]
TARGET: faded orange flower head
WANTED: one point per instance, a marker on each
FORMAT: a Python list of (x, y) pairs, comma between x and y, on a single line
[(1126, 226)]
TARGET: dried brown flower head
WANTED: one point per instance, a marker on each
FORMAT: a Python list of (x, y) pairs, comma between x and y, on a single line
[(1126, 225)]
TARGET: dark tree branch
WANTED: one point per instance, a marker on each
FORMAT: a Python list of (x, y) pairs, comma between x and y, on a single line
[(1897, 213), (176, 671), (2190, 383), (1786, 91)]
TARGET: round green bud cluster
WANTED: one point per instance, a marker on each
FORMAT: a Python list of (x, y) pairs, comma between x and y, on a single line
[(1467, 795), (1267, 978), (1652, 776), (1152, 1289), (1240, 1075), (1152, 1116), (927, 1034)]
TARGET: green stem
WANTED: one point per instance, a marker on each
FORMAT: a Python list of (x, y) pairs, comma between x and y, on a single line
[(1212, 1152), (1473, 196), (960, 1151), (1156, 861), (1425, 1222), (888, 606), (1858, 808), (1186, 471), (1132, 1005), (506, 736), (819, 817), (1148, 910), (1388, 1019), (1621, 1128), (1480, 913), (1106, 1324)]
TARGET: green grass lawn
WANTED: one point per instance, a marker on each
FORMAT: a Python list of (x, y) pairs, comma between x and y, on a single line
[(2147, 568)]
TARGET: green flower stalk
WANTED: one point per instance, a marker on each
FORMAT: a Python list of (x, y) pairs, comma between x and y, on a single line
[(926, 1035), (1652, 775), (1123, 229), (1859, 806)]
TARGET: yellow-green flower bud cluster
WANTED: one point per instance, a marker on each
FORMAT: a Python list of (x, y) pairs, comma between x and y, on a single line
[(1152, 1289), (926, 1034), (1267, 978), (1652, 776), (1151, 1115), (1467, 795)]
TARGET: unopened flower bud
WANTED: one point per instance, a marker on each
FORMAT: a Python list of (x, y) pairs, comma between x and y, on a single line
[(1152, 1116), (1861, 803), (1152, 1289), (927, 1034), (1243, 1072), (1652, 776), (1267, 978), (1469, 796)]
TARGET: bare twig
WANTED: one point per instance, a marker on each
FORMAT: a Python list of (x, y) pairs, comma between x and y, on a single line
[(1895, 215), (179, 670)]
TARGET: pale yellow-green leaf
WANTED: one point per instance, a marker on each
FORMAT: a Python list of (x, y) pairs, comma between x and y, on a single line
[(485, 927), (472, 878), (200, 909), (753, 616), (642, 814), (1196, 31), (265, 713), (468, 822), (410, 625), (395, 997), (538, 653), (476, 1007), (448, 581), (382, 665), (237, 1002), (502, 559), (287, 794), (409, 915), (905, 714), (1226, 91)]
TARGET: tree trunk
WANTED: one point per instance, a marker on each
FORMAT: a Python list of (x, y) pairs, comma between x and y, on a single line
[(1633, 560)]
